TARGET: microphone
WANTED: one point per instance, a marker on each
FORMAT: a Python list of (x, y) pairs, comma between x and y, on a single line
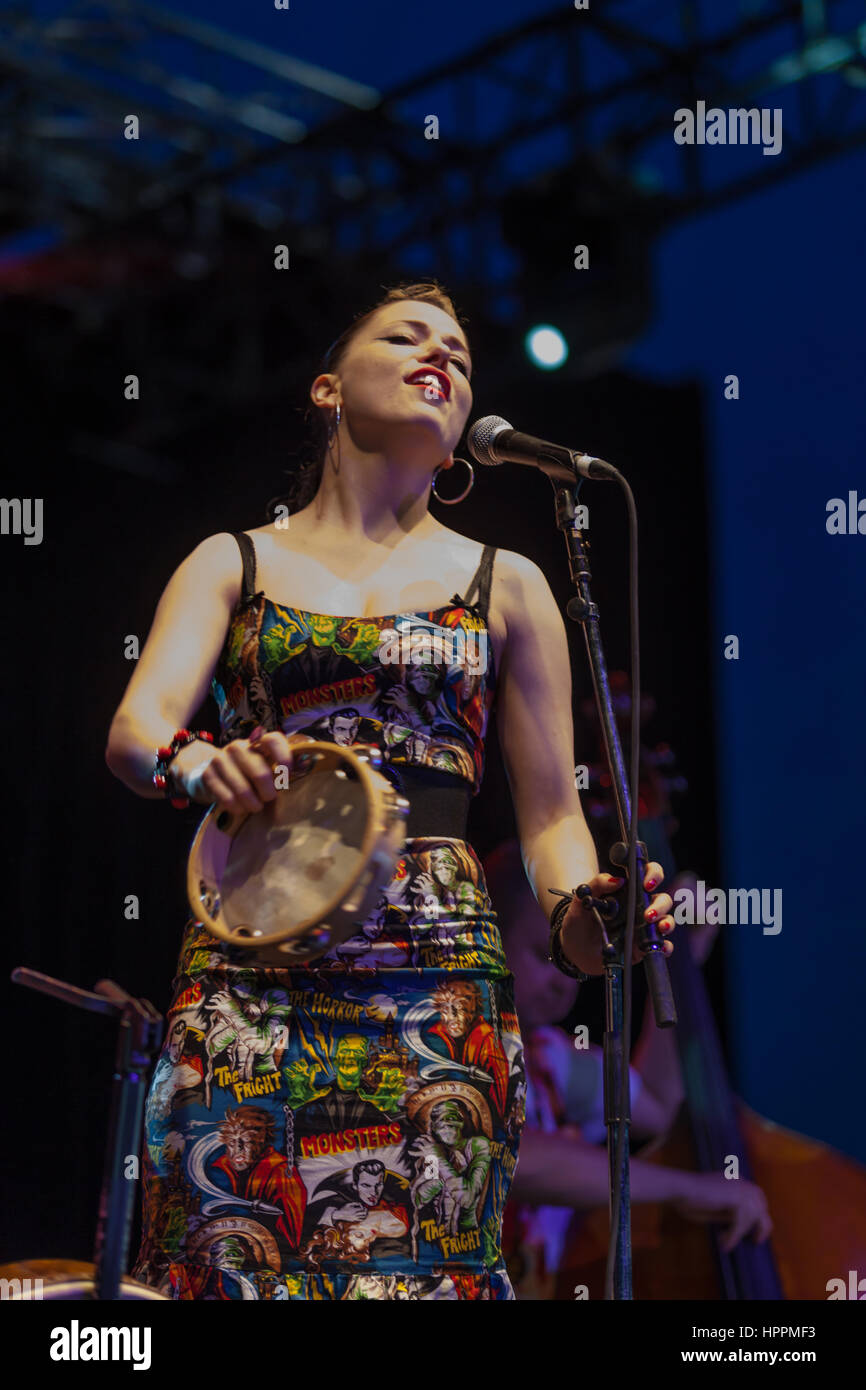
[(492, 440)]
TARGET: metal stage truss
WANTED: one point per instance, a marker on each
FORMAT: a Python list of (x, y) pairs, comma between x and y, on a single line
[(560, 123)]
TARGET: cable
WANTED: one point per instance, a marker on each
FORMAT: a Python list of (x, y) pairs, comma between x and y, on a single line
[(628, 944)]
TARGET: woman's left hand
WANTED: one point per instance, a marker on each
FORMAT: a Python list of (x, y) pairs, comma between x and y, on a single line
[(581, 936)]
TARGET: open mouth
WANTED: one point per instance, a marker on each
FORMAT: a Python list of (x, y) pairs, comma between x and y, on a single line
[(436, 387)]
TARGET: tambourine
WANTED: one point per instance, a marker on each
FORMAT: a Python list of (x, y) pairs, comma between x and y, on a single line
[(284, 884)]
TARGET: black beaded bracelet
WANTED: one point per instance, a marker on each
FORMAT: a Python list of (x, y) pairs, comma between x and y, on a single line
[(557, 955)]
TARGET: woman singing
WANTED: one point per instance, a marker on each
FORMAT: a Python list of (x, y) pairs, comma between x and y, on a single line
[(349, 1129)]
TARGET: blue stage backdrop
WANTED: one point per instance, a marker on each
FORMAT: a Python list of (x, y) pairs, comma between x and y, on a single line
[(770, 295)]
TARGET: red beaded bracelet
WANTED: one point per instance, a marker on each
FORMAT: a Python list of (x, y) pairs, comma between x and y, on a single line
[(163, 778)]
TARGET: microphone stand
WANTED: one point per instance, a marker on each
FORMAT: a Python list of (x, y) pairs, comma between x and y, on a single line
[(628, 855)]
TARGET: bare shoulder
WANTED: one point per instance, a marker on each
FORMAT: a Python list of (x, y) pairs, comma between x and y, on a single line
[(517, 572), (216, 565), (462, 553), (446, 549), (520, 590)]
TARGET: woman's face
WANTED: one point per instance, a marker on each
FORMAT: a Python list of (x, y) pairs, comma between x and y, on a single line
[(381, 377)]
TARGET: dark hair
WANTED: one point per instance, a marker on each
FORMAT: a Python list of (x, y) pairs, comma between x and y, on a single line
[(368, 1165), (305, 474)]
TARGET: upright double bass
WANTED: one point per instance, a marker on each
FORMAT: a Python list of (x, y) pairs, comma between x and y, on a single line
[(816, 1195)]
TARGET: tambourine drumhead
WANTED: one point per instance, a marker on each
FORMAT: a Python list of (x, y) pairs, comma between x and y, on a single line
[(290, 879)]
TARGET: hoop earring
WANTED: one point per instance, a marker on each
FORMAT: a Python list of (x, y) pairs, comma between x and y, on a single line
[(335, 424), (450, 501)]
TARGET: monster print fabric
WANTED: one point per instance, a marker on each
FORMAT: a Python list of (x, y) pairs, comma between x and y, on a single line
[(417, 685), (348, 1129)]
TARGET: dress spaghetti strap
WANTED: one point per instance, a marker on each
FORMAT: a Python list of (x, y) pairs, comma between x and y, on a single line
[(248, 556), (481, 580)]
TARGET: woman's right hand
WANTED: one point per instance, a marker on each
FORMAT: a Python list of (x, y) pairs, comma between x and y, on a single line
[(239, 777)]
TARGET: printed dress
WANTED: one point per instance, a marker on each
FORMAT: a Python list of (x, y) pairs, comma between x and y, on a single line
[(348, 1129)]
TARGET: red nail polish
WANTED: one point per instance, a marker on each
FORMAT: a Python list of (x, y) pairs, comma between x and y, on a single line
[(651, 915), (652, 883)]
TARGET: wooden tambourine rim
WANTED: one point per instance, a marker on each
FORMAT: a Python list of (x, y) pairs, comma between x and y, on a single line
[(336, 754), (65, 1281)]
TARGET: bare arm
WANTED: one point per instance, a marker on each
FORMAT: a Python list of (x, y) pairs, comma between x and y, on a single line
[(537, 734), (561, 1171), (174, 670), (558, 1170), (537, 738)]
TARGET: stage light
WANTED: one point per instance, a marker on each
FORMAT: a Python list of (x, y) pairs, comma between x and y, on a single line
[(546, 347)]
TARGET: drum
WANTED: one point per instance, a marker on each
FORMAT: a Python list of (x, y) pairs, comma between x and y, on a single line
[(285, 884)]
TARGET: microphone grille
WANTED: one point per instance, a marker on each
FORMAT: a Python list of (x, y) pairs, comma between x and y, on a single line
[(479, 440)]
